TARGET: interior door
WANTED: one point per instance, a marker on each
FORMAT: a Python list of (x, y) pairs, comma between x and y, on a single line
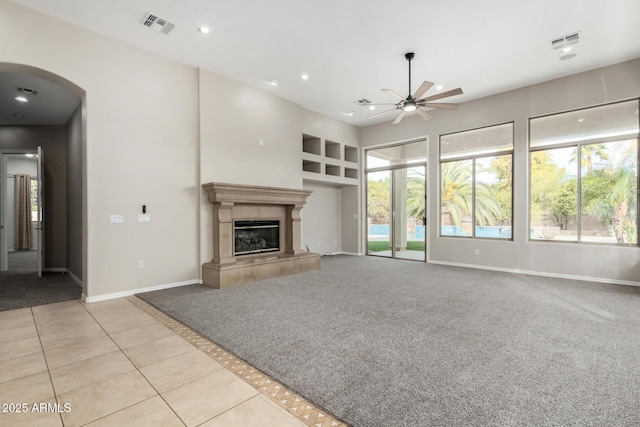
[(3, 200), (40, 205)]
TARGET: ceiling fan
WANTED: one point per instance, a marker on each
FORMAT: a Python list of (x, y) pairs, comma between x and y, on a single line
[(415, 102)]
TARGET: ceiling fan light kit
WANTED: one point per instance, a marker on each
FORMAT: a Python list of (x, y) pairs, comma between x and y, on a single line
[(415, 102)]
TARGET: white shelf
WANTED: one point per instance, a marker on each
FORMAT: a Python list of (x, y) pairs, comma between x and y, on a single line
[(329, 162)]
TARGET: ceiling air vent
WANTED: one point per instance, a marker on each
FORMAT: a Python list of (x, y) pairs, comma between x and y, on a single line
[(565, 41), (363, 101), (31, 91), (158, 24)]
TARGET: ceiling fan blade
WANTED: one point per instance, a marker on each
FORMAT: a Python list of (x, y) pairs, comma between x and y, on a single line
[(424, 87), (379, 114), (446, 94), (425, 116), (392, 93), (376, 104), (399, 118), (449, 106)]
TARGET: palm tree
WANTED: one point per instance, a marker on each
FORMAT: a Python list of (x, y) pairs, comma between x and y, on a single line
[(457, 195), (610, 193), (588, 152), (455, 191), (415, 194), (619, 198)]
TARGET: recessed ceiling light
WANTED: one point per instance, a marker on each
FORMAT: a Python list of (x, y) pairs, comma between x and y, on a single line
[(29, 155), (372, 107), (274, 82), (204, 30), (567, 56), (581, 120), (304, 77), (21, 99), (439, 87), (350, 113), (566, 49)]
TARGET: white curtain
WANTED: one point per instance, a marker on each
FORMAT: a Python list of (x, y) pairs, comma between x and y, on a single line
[(22, 195)]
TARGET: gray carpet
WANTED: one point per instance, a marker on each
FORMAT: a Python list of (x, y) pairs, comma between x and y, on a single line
[(20, 289), (381, 342)]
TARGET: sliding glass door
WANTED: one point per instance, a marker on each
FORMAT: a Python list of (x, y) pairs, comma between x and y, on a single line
[(379, 213), (396, 201)]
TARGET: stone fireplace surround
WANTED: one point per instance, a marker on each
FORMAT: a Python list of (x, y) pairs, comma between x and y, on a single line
[(235, 202)]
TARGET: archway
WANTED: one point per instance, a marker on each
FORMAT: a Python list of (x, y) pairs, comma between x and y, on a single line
[(75, 218)]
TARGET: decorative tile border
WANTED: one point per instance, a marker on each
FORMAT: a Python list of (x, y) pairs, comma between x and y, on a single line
[(303, 410)]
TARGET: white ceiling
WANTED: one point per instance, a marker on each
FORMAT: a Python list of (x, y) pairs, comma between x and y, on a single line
[(353, 48)]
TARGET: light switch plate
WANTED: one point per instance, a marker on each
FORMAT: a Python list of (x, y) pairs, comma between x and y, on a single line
[(116, 219), (144, 218)]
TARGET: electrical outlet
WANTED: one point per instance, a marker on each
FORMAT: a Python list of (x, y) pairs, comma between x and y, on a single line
[(140, 263), (477, 252)]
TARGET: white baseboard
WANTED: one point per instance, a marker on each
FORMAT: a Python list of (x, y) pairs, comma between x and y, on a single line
[(347, 253), (538, 273), (122, 294), (75, 279)]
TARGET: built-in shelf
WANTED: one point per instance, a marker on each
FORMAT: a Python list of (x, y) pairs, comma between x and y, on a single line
[(329, 162), (311, 144), (332, 150), (351, 173), (332, 170), (351, 154), (311, 166)]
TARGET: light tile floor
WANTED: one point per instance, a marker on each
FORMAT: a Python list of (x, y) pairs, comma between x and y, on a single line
[(124, 363)]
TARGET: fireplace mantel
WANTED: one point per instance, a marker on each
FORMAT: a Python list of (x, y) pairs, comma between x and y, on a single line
[(255, 195), (233, 202)]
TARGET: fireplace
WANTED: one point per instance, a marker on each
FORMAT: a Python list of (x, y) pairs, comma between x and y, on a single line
[(256, 234), (255, 237)]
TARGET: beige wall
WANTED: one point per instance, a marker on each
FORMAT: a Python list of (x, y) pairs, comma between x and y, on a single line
[(234, 118), (608, 84), (141, 147), (75, 180), (322, 227), (329, 216)]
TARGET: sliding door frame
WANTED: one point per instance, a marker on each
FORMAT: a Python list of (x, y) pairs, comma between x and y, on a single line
[(393, 195)]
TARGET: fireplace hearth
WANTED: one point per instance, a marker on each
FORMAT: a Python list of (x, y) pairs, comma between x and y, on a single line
[(256, 234)]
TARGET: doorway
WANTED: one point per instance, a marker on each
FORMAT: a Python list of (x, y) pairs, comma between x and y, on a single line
[(396, 200), (45, 110), (21, 215)]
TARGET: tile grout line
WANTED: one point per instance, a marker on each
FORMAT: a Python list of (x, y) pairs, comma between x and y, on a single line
[(46, 364), (302, 409), (136, 368)]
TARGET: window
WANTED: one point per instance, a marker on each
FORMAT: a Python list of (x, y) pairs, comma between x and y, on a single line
[(584, 175), (476, 197)]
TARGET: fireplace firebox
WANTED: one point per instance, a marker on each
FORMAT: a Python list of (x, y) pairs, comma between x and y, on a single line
[(255, 237)]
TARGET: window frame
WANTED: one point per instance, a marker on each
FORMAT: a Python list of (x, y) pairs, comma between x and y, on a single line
[(578, 146), (473, 158)]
